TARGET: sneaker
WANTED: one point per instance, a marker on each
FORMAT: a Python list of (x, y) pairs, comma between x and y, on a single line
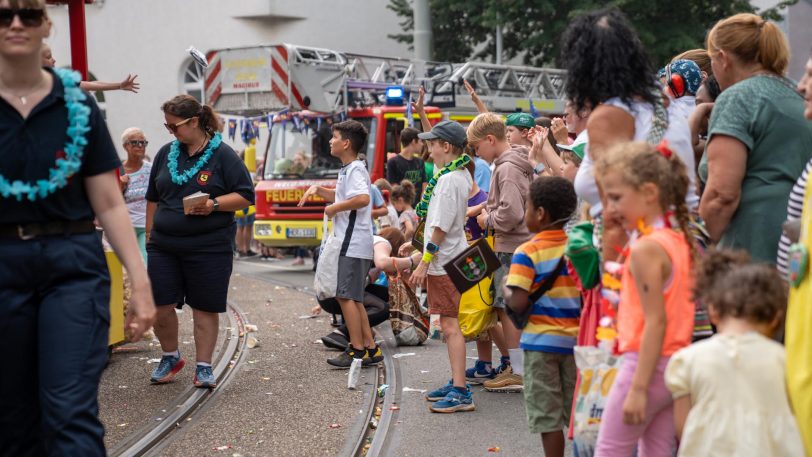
[(506, 381), (439, 394), (250, 253), (480, 372), (204, 377), (335, 340), (454, 401), (504, 363), (373, 356), (344, 360), (167, 369)]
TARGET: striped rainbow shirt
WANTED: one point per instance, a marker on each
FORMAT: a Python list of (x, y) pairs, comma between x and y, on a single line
[(553, 324)]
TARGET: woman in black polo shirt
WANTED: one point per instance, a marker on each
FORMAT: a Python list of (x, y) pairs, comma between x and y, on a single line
[(57, 172), (190, 255)]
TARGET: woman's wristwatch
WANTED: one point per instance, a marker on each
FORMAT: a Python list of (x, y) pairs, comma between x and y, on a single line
[(216, 204)]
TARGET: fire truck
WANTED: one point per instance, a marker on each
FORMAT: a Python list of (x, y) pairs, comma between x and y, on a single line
[(300, 91)]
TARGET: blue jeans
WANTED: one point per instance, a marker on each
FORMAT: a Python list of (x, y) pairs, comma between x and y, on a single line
[(54, 323)]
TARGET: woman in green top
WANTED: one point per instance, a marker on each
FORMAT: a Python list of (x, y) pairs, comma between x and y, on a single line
[(758, 140)]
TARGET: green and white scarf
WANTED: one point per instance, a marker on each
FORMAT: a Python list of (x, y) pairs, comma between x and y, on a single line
[(423, 207)]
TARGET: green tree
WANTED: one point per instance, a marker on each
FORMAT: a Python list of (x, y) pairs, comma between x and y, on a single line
[(532, 29)]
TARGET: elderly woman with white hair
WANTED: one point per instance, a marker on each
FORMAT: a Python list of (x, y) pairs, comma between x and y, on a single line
[(134, 176)]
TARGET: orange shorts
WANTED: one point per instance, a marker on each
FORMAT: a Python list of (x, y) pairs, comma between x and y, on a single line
[(443, 297)]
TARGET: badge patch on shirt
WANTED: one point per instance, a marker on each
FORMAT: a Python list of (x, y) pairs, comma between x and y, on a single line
[(203, 177)]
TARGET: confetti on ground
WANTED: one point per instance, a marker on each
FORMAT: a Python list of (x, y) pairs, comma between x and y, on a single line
[(334, 426), (250, 328), (122, 425), (409, 389), (394, 408), (397, 356), (495, 449), (221, 448), (424, 371), (154, 361)]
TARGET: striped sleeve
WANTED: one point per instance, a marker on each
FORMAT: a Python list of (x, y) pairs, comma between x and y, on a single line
[(522, 271)]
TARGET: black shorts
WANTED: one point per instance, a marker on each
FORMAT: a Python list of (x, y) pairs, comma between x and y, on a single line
[(197, 279)]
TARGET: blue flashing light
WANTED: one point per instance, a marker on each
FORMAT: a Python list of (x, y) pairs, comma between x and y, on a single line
[(394, 95)]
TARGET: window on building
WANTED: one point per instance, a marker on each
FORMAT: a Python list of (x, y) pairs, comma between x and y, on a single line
[(192, 78)]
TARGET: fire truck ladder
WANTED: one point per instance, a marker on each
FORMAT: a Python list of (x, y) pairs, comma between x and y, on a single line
[(503, 88)]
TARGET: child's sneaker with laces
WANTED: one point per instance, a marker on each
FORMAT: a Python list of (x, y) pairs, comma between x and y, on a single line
[(506, 381), (373, 356), (439, 394), (344, 360), (454, 401), (480, 372), (167, 369), (204, 377)]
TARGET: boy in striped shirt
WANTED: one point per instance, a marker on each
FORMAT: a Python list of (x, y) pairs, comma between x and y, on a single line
[(550, 334)]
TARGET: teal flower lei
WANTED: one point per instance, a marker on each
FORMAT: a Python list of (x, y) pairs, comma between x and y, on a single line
[(174, 152), (65, 167)]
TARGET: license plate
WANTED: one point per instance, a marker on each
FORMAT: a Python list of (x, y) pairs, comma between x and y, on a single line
[(301, 233)]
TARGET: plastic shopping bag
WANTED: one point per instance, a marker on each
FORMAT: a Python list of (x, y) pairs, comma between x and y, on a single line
[(597, 369), (326, 280)]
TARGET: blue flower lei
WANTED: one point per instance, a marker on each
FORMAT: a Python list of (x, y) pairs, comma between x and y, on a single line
[(65, 167), (174, 152)]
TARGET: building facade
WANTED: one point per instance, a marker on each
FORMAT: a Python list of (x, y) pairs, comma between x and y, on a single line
[(150, 37)]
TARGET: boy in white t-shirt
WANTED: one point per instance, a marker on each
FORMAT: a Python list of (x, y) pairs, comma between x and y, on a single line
[(444, 205), (352, 223)]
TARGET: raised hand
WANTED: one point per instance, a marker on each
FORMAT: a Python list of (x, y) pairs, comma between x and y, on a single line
[(560, 132), (130, 84)]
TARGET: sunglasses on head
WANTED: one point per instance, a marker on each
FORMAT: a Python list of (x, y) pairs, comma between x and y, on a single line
[(30, 17), (138, 143), (173, 128)]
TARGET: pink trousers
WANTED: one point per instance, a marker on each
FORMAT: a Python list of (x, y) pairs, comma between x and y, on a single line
[(653, 438)]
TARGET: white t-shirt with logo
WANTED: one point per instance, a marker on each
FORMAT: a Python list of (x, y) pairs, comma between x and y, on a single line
[(447, 209), (354, 228)]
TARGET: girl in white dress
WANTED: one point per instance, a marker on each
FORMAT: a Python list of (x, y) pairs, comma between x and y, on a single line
[(729, 391)]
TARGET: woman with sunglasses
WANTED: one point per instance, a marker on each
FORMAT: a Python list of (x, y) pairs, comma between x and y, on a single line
[(190, 256), (57, 172), (134, 176)]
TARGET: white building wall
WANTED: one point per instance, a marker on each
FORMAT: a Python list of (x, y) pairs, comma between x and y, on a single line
[(149, 38)]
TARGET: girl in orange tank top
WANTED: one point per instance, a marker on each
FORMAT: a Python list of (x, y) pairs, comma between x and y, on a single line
[(644, 188)]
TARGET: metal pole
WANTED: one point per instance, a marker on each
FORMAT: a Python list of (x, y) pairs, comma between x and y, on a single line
[(78, 37), (498, 41), (422, 30)]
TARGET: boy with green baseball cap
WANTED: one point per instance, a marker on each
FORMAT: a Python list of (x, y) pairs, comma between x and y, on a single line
[(518, 128)]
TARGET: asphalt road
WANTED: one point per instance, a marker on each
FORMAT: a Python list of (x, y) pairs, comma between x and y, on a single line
[(286, 401)]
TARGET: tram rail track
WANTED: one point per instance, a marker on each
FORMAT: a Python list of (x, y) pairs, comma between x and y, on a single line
[(362, 440), (149, 439)]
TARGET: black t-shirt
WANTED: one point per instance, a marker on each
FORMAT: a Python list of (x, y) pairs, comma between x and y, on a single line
[(398, 169), (29, 149), (223, 174)]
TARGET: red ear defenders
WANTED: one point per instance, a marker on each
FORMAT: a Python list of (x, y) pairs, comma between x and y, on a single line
[(675, 82)]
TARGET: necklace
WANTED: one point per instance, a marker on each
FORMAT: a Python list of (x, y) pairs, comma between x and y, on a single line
[(65, 167), (24, 98), (174, 152)]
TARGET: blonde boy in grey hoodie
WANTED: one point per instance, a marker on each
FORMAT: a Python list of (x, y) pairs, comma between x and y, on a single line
[(504, 214)]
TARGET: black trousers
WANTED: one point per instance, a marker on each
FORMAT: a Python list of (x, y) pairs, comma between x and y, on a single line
[(376, 304), (54, 323)]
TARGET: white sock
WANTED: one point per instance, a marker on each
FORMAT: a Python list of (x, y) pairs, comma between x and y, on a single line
[(172, 354), (203, 364)]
